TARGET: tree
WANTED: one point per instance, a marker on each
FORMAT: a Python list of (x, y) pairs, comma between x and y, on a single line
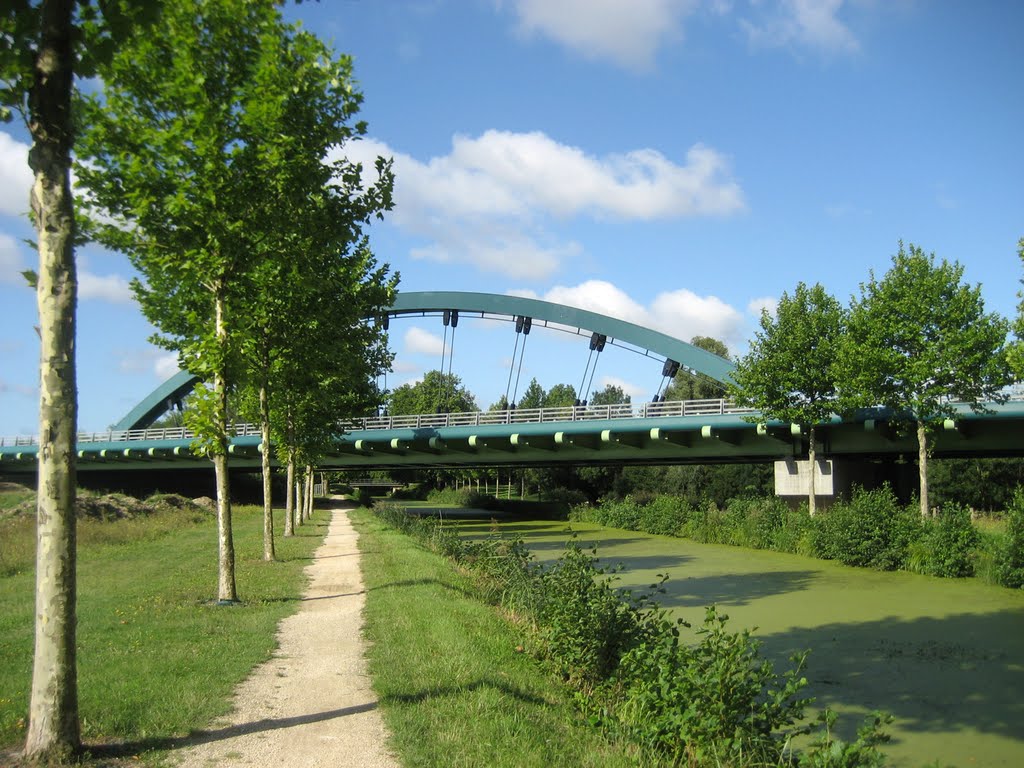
[(788, 372), (610, 395), (918, 340), (424, 396), (43, 46), (188, 152), (1015, 352), (689, 385), (560, 396), (533, 396)]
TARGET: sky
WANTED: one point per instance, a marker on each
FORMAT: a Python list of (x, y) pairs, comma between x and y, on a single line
[(675, 163)]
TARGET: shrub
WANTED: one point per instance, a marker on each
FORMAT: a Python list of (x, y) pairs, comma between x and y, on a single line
[(1009, 559), (950, 543), (585, 626), (871, 530), (717, 702)]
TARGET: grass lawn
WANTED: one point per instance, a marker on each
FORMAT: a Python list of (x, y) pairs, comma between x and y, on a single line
[(454, 688), (157, 658)]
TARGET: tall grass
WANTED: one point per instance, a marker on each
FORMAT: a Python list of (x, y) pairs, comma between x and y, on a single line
[(157, 657)]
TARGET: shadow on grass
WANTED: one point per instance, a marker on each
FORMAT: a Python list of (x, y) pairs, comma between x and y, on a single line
[(425, 583), (196, 738), (455, 690)]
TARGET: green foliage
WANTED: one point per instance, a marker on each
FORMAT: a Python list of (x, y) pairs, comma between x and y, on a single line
[(1015, 352), (871, 530), (610, 395), (919, 337), (436, 393), (830, 752), (950, 543), (585, 625), (717, 702), (701, 699), (687, 385), (787, 374), (1009, 559)]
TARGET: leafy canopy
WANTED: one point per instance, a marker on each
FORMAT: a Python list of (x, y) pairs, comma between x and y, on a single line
[(788, 373), (919, 339)]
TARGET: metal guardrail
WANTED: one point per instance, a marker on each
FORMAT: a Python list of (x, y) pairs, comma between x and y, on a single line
[(645, 410), (543, 415), (472, 419), (129, 435)]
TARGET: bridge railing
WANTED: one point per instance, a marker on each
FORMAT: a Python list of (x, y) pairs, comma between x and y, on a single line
[(541, 415), (129, 435)]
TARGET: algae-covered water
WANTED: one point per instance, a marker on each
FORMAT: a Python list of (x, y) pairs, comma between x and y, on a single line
[(944, 656)]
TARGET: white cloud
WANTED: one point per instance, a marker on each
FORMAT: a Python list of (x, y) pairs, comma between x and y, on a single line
[(755, 306), (166, 365), (112, 288), (812, 23), (421, 342), (17, 176), (11, 262), (629, 34), (492, 201), (631, 389), (680, 313)]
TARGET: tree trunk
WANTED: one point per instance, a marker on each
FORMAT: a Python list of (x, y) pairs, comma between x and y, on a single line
[(53, 730), (225, 545), (300, 500), (268, 502), (289, 504), (812, 461), (922, 466), (309, 494)]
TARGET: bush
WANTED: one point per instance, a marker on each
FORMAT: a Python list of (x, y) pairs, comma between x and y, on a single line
[(1009, 558), (949, 543), (871, 530), (717, 702)]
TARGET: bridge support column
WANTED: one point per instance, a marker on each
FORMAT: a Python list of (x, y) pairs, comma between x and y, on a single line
[(836, 478)]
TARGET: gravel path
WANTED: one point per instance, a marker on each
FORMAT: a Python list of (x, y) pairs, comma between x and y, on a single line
[(311, 704)]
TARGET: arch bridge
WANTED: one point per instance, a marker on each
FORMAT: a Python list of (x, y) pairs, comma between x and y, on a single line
[(648, 433)]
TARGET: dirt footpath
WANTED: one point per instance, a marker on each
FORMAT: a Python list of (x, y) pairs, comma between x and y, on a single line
[(311, 704)]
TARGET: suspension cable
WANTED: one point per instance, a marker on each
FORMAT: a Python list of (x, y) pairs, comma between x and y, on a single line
[(512, 365), (450, 381), (527, 324)]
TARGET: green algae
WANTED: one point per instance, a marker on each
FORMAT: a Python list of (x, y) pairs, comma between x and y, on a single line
[(944, 656)]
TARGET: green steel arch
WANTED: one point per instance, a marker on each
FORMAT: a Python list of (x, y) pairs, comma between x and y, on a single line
[(648, 341)]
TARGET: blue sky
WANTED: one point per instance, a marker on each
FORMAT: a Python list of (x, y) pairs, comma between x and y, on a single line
[(675, 163)]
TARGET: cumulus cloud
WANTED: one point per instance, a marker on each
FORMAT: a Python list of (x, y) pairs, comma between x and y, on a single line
[(494, 199), (11, 261), (16, 174), (166, 365), (112, 288), (680, 313), (628, 34), (421, 342), (633, 390), (770, 303), (812, 23)]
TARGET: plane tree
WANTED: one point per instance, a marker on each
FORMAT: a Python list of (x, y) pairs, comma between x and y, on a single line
[(186, 153), (788, 373), (44, 46), (918, 340)]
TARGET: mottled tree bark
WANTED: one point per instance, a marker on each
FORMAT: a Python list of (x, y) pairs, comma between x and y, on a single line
[(812, 460), (268, 506), (300, 500), (53, 730), (289, 509), (922, 466), (225, 543)]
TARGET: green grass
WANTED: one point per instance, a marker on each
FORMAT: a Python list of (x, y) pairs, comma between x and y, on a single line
[(157, 659), (455, 688)]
